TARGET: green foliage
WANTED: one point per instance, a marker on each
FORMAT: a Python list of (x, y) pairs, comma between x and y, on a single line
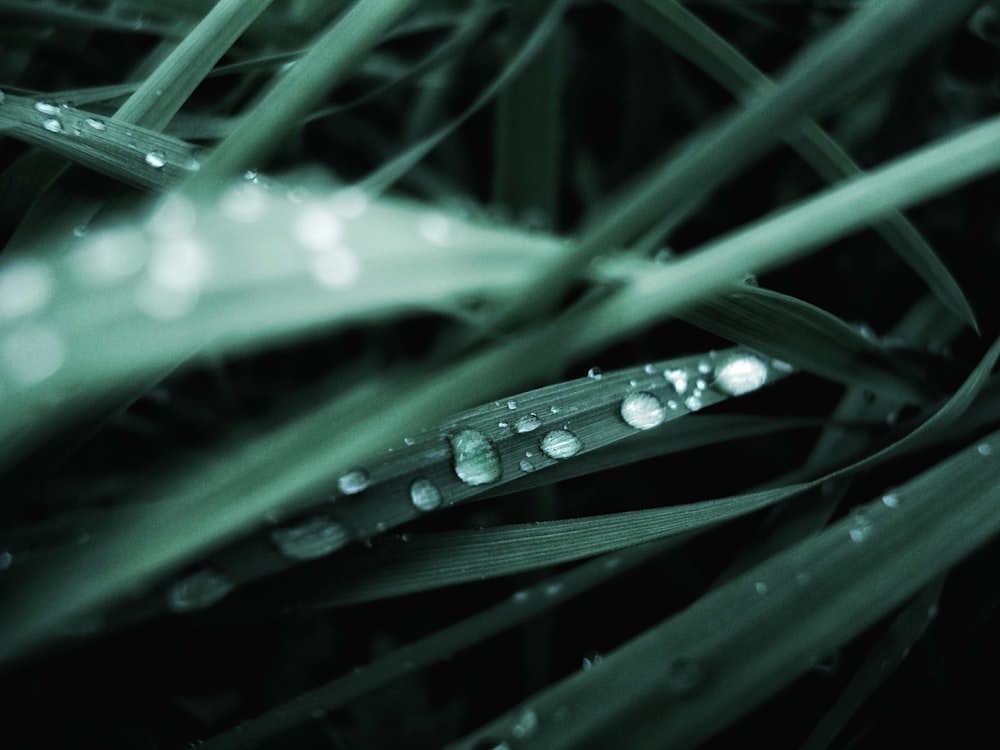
[(303, 427)]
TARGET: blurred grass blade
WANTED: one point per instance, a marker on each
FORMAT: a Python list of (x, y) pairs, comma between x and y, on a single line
[(873, 39), (330, 59), (134, 155), (383, 178), (684, 32), (719, 658), (657, 290)]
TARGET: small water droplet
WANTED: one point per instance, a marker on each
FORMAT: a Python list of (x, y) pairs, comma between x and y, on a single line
[(890, 500), (649, 369), (704, 367), (526, 725), (554, 589), (677, 378), (476, 460), (782, 366), (520, 596), (198, 591), (984, 449), (96, 124), (643, 410), (25, 287), (528, 423), (760, 587), (560, 444), (311, 539), (353, 482), (32, 353), (672, 405), (741, 374), (156, 159), (591, 660), (594, 373), (425, 495), (861, 529), (47, 108), (526, 466), (6, 559), (80, 230), (409, 441), (52, 124), (512, 404), (553, 410), (693, 402), (503, 424), (683, 675)]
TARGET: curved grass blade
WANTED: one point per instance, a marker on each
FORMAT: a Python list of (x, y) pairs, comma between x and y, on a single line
[(872, 40), (744, 641), (684, 32)]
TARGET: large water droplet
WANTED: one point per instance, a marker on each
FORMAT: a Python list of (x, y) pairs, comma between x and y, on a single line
[(476, 460), (314, 538), (353, 482), (643, 410), (528, 423), (561, 444), (594, 373), (890, 500), (53, 125), (984, 449), (25, 287), (740, 374), (198, 591), (156, 159), (425, 495)]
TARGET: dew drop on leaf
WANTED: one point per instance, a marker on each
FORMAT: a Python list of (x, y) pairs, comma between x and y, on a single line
[(740, 374), (156, 159), (53, 125), (198, 591), (677, 378), (353, 482), (475, 459), (643, 410), (310, 539), (25, 287), (594, 373), (424, 495), (96, 124), (46, 108), (528, 423), (560, 444), (526, 466)]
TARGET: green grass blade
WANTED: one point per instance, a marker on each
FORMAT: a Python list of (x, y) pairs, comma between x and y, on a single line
[(684, 32), (742, 642)]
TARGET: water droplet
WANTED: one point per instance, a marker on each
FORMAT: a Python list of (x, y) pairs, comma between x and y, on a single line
[(528, 423), (526, 725), (349, 202), (109, 257), (591, 660), (25, 287), (6, 559), (436, 228), (561, 444), (353, 482), (47, 108), (594, 373), (554, 589), (553, 410), (53, 125), (649, 369), (693, 402), (337, 268), (678, 379), (704, 367), (317, 228), (760, 587), (526, 465), (643, 410), (96, 124), (512, 404), (520, 596), (156, 159), (861, 529), (984, 449), (80, 230), (503, 424), (700, 384), (683, 675), (476, 461), (198, 591), (311, 539), (244, 203), (424, 495), (409, 441), (740, 374), (672, 405), (181, 264), (32, 353), (890, 500)]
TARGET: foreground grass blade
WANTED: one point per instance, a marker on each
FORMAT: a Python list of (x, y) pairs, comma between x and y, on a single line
[(727, 652)]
